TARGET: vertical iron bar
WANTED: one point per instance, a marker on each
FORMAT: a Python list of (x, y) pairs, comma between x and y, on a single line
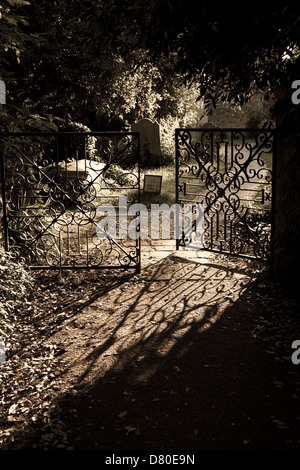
[(176, 188), (60, 250), (57, 153), (212, 147), (76, 156), (68, 240), (78, 240), (231, 135), (87, 248), (230, 241), (273, 201), (85, 150), (138, 239), (218, 156)]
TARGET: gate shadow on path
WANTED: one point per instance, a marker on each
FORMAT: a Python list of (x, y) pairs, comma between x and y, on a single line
[(170, 362)]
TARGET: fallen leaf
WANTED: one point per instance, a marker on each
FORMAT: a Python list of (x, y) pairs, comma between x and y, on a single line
[(280, 424), (12, 409), (129, 429)]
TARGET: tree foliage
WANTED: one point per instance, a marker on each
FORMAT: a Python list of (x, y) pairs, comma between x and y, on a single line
[(105, 63), (72, 70), (13, 41), (230, 50)]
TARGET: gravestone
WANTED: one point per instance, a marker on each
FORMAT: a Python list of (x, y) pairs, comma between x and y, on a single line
[(149, 139)]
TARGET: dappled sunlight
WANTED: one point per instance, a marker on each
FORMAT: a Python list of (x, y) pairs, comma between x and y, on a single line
[(129, 361), (145, 319)]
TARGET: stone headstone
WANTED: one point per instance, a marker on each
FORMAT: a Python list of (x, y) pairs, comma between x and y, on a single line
[(149, 138)]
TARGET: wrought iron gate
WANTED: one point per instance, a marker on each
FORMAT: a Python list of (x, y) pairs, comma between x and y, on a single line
[(52, 187), (229, 172)]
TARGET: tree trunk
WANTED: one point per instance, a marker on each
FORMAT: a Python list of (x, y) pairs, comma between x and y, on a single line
[(286, 247)]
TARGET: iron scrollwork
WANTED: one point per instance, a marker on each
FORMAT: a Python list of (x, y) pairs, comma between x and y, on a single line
[(53, 184), (229, 171)]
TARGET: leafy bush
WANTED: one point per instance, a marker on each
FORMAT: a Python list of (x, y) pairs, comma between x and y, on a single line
[(156, 161), (254, 119), (15, 281)]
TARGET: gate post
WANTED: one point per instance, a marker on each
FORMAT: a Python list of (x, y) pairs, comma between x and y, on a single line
[(286, 249)]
